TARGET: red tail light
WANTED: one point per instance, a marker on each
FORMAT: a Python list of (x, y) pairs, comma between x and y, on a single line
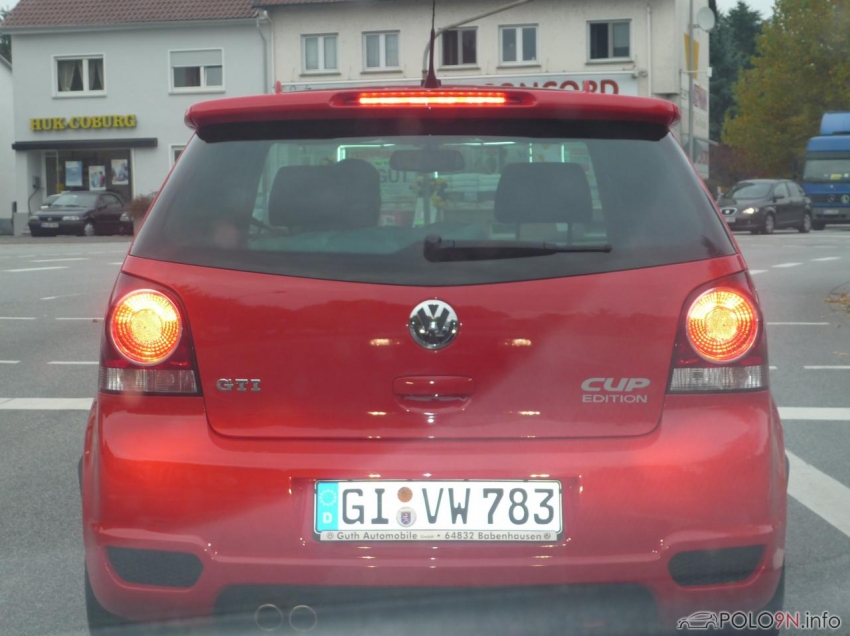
[(722, 325), (147, 347), (145, 327), (721, 344)]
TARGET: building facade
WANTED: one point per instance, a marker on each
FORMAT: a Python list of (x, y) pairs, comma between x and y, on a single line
[(101, 88), (630, 47), (7, 156)]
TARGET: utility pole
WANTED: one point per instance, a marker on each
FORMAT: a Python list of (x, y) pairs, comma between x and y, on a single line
[(691, 73)]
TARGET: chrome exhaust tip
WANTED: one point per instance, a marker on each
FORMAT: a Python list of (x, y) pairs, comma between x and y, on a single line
[(303, 618), (268, 617)]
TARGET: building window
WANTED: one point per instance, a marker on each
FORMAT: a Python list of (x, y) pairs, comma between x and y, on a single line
[(176, 151), (519, 44), (194, 71), (460, 46), (380, 50), (80, 75), (319, 53), (610, 40)]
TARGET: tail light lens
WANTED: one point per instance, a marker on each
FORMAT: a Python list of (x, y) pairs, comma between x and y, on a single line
[(147, 347), (722, 325), (145, 327), (721, 344)]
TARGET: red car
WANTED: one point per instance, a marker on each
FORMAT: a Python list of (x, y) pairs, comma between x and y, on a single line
[(439, 359)]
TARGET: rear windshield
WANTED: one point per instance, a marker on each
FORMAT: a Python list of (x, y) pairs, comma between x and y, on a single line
[(355, 201)]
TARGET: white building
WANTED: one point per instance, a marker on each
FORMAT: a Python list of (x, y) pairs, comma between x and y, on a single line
[(630, 47), (101, 87), (7, 156)]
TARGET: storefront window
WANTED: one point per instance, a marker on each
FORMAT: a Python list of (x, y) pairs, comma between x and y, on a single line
[(89, 170)]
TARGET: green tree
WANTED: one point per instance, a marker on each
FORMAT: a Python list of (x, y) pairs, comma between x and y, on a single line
[(5, 40), (733, 43), (801, 69)]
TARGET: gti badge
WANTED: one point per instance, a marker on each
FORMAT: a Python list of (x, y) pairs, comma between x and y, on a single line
[(227, 385), (433, 324)]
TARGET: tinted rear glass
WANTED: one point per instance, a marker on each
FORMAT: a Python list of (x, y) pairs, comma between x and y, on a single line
[(337, 201)]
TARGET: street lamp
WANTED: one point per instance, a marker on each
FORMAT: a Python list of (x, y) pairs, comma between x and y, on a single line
[(466, 21), (705, 21)]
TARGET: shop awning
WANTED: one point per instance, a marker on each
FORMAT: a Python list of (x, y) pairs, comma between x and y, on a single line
[(87, 144)]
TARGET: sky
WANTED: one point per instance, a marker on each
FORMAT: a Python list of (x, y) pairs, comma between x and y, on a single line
[(765, 7)]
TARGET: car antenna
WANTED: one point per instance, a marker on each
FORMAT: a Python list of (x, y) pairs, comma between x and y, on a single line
[(431, 80)]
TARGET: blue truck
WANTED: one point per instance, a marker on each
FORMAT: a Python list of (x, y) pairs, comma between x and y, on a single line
[(826, 175)]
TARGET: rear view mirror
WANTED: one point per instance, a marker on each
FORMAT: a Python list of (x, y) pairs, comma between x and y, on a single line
[(427, 160)]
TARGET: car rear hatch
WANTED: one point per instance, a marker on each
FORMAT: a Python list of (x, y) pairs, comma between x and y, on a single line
[(299, 251), (587, 356)]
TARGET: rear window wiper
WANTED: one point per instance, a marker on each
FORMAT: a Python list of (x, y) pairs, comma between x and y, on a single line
[(439, 250)]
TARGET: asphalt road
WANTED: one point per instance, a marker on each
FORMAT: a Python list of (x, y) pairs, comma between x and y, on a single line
[(53, 293)]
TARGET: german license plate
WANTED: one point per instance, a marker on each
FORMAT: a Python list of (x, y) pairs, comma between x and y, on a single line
[(830, 212), (509, 511), (50, 225), (731, 220)]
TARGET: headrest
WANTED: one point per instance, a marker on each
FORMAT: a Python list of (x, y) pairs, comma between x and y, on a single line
[(344, 195), (543, 193)]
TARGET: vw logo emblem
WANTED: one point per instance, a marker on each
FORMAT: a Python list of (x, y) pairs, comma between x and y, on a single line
[(433, 324)]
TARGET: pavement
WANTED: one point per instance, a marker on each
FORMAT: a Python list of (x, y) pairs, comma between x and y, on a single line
[(53, 295)]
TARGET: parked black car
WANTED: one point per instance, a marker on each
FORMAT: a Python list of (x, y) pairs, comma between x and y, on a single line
[(82, 213), (763, 205)]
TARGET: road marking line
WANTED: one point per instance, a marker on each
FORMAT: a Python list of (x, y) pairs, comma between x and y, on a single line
[(81, 318), (9, 361), (753, 272), (826, 258), (826, 367), (45, 404), (118, 263), (817, 491), (787, 265), (801, 324), (59, 260), (72, 362), (773, 368), (815, 414), (17, 318), (65, 296), (35, 269)]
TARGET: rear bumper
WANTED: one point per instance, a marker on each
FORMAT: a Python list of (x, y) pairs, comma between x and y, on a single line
[(711, 476)]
